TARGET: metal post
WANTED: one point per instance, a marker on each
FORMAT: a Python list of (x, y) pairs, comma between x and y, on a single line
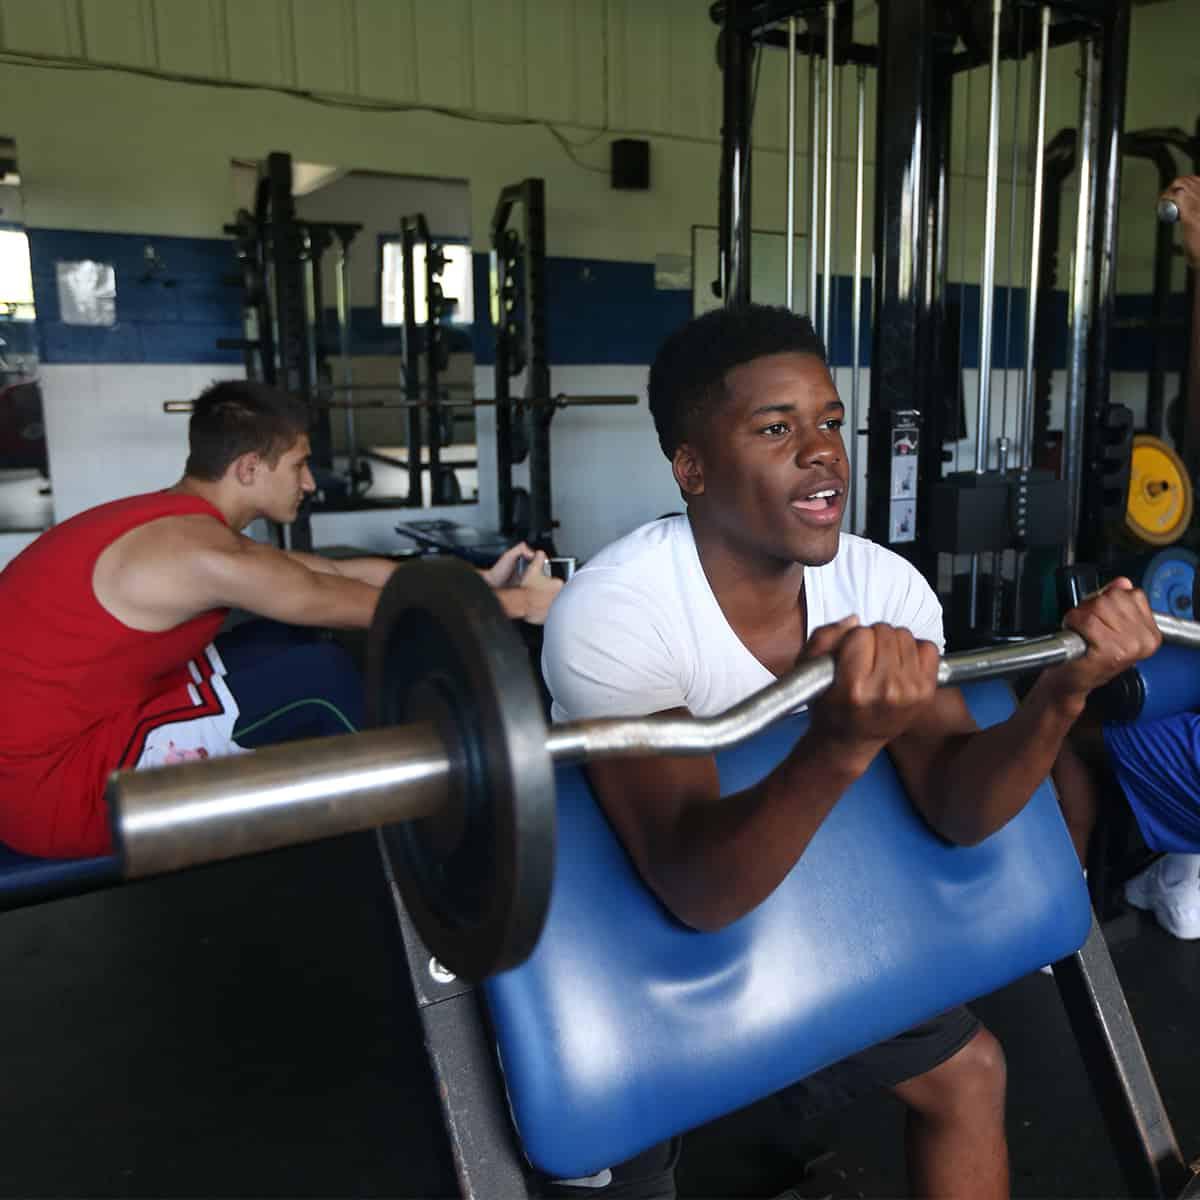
[(412, 377), (1080, 300), (988, 274), (827, 232), (311, 308), (790, 252), (537, 360), (433, 348), (343, 317), (814, 184), (1025, 445), (900, 332), (1097, 469), (737, 55), (860, 158), (1139, 1127)]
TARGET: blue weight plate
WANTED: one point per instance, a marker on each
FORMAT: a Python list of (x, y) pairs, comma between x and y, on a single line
[(1168, 581)]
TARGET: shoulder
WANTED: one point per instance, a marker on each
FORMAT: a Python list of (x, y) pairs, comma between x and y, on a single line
[(179, 546), (635, 574), (186, 531), (645, 545), (609, 639)]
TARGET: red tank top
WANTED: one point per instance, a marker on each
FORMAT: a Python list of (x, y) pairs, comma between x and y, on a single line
[(73, 678)]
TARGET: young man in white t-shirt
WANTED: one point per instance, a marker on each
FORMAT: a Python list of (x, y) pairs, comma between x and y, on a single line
[(694, 613)]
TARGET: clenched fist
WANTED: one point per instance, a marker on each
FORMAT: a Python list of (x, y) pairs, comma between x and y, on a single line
[(1119, 628), (883, 678)]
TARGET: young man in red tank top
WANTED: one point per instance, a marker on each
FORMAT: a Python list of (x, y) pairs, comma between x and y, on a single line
[(108, 621)]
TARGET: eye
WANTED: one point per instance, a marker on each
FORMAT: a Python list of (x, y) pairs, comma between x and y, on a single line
[(775, 429), (833, 423)]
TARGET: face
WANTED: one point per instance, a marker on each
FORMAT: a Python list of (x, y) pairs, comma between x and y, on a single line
[(767, 467), (281, 488)]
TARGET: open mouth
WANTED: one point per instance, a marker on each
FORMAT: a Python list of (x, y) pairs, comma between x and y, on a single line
[(820, 500)]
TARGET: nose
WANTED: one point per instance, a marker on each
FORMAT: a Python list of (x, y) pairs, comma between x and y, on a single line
[(823, 447), (307, 483)]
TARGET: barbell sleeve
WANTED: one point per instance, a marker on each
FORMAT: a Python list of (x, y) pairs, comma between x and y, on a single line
[(207, 811), (1168, 211), (198, 812)]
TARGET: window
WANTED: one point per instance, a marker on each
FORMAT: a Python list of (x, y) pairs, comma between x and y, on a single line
[(16, 276), (457, 283)]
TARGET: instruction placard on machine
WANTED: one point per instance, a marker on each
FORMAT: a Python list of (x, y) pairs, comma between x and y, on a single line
[(902, 518)]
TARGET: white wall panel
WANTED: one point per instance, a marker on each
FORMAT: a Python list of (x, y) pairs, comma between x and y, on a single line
[(498, 57), (190, 37), (43, 27), (444, 58), (259, 43), (553, 52), (325, 47), (386, 32), (119, 31), (107, 432)]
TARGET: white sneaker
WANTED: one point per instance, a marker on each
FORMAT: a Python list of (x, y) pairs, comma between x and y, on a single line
[(1170, 888)]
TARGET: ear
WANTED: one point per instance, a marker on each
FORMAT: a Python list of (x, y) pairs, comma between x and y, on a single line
[(245, 467), (688, 469)]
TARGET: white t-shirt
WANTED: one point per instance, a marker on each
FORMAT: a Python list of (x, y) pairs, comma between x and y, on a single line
[(638, 629)]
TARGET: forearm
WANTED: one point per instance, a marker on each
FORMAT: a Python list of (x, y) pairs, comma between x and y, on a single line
[(373, 571), (985, 778), (322, 599), (726, 857), (514, 601)]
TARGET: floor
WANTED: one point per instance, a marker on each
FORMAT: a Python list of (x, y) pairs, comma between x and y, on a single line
[(248, 1030)]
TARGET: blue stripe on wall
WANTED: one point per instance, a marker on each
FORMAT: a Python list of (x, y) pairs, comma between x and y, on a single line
[(171, 316), (599, 311)]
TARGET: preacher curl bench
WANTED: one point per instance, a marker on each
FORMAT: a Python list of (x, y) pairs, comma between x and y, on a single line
[(623, 1027)]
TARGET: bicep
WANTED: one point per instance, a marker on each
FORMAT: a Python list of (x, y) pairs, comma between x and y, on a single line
[(648, 802), (311, 562), (246, 574), (921, 752)]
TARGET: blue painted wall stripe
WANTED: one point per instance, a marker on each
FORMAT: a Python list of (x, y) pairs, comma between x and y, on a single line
[(599, 312)]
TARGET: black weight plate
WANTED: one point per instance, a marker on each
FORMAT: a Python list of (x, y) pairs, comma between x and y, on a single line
[(476, 878)]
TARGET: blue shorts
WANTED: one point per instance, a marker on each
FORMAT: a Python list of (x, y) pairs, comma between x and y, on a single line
[(1157, 764), (258, 685)]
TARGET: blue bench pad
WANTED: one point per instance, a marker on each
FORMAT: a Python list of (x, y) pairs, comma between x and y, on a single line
[(25, 880), (625, 1027)]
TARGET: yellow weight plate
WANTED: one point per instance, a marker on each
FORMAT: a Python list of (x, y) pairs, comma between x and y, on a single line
[(1159, 506)]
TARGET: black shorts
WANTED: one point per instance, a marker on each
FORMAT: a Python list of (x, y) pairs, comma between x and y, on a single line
[(651, 1176)]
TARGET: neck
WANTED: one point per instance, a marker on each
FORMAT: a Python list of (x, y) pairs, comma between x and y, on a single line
[(216, 495), (752, 588)]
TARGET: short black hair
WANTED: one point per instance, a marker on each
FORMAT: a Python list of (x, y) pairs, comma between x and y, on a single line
[(687, 378), (233, 418)]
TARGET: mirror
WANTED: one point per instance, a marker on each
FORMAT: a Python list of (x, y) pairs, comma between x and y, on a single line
[(370, 428), (25, 500)]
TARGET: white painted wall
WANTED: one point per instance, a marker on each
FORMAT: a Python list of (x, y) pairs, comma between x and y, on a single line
[(107, 432), (608, 474), (109, 438), (11, 544)]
